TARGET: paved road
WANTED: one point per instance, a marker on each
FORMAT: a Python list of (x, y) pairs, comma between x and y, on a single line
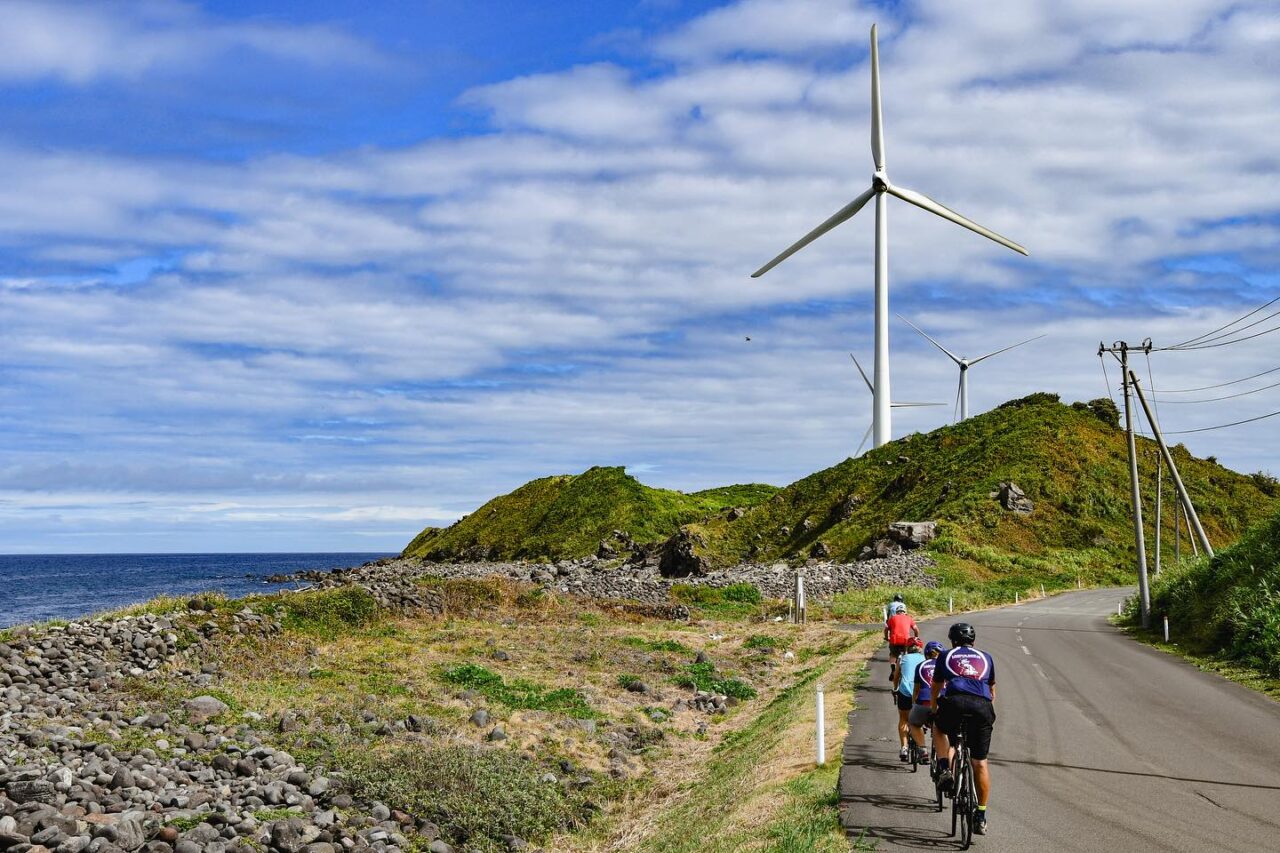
[(1101, 743)]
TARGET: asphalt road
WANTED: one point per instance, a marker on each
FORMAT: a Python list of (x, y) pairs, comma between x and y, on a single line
[(1101, 743)]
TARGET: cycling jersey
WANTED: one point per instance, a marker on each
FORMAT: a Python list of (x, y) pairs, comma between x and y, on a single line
[(900, 626), (896, 607), (908, 664), (965, 669), (924, 677)]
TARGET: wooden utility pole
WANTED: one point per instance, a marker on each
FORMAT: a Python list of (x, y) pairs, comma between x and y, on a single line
[(1159, 514), (1193, 519), (1177, 533), (1120, 349)]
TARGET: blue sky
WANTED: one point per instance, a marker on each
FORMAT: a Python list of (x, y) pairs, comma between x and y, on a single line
[(309, 276)]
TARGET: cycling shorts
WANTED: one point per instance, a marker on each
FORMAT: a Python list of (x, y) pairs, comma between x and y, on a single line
[(919, 715), (896, 649), (904, 702), (975, 714)]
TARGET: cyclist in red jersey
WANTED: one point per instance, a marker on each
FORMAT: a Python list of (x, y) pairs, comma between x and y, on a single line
[(898, 630)]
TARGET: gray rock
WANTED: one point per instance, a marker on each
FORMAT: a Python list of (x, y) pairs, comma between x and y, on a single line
[(204, 708), (497, 734), (480, 718), (1013, 498), (439, 846), (130, 834), (913, 534), (35, 791)]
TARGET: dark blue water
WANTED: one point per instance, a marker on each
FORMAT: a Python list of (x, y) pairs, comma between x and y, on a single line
[(36, 587)]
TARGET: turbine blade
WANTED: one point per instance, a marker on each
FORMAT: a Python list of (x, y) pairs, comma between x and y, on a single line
[(838, 217), (877, 120), (1006, 349), (870, 387), (923, 201), (865, 436), (913, 405), (948, 352)]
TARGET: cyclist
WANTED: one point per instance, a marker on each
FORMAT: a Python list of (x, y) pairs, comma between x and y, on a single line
[(921, 694), (895, 606), (907, 665), (964, 690), (898, 629)]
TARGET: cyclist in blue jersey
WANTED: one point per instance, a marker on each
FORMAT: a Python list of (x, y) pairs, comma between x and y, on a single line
[(907, 664), (964, 691), (922, 694)]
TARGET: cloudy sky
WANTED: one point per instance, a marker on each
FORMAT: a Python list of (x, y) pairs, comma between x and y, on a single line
[(302, 277)]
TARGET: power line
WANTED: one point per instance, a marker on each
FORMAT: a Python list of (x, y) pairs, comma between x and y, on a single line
[(1218, 337), (1226, 343), (1224, 397), (1227, 326), (1223, 426), (1212, 387)]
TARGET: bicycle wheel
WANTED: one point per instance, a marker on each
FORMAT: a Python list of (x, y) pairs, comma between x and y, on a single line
[(965, 803), (914, 752)]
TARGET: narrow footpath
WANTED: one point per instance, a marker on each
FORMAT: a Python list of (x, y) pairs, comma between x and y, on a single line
[(1101, 743)]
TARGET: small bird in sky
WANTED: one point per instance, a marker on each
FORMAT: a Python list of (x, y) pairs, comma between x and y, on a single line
[(748, 337)]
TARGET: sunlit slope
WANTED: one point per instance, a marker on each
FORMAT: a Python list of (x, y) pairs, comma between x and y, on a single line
[(568, 516), (1070, 460)]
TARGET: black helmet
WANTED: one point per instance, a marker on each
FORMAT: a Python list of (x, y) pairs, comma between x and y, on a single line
[(897, 596), (962, 634)]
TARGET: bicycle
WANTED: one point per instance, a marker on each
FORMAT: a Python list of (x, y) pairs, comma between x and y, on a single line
[(964, 797)]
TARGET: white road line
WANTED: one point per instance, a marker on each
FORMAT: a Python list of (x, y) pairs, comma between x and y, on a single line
[(1026, 651), (1041, 671)]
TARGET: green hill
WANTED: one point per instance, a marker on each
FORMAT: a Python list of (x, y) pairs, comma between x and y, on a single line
[(1229, 605), (1071, 462), (568, 516)]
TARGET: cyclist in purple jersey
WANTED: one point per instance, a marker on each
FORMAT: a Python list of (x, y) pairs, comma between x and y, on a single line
[(964, 692), (922, 693)]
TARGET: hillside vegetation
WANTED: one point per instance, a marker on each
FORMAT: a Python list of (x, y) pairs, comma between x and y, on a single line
[(1070, 460), (1229, 605), (568, 516)]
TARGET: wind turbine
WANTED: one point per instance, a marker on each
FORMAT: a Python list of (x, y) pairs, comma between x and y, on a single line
[(880, 186), (964, 364), (872, 389)]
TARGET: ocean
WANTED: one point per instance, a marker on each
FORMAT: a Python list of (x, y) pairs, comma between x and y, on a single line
[(36, 587)]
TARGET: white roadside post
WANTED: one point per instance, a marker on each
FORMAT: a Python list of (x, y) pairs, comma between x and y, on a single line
[(1120, 608), (1015, 596), (1042, 590), (951, 604), (822, 728), (800, 605), (1166, 629)]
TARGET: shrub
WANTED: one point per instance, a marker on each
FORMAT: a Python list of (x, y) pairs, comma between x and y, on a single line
[(626, 680), (703, 676), (760, 641), (328, 613), (518, 694), (656, 645), (475, 795), (743, 593)]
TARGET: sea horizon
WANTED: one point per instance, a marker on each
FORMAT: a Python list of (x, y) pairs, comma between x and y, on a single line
[(39, 587)]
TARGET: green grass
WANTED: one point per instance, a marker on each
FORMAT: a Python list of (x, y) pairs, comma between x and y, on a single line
[(698, 823), (657, 645), (1227, 606), (327, 614), (703, 676), (568, 516), (518, 694), (474, 795)]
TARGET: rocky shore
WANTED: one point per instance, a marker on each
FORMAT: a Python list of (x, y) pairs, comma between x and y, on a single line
[(607, 579)]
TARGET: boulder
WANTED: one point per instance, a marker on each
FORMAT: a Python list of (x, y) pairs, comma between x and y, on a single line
[(913, 534), (1013, 498), (679, 556), (204, 708)]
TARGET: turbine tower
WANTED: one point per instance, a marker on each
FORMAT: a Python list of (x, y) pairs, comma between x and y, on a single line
[(964, 364), (872, 389), (880, 186)]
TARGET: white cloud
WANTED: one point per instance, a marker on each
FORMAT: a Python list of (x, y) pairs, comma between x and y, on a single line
[(570, 287), (80, 42)]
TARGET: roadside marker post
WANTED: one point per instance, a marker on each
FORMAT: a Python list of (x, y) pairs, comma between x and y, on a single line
[(1042, 590), (1119, 608), (1166, 629), (822, 728), (1015, 596), (951, 604)]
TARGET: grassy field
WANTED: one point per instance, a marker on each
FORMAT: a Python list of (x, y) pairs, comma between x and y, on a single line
[(584, 693)]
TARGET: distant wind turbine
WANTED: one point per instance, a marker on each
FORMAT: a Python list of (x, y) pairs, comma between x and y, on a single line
[(962, 391), (880, 186), (872, 389)]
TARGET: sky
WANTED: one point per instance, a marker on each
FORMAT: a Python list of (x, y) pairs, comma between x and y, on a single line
[(310, 276)]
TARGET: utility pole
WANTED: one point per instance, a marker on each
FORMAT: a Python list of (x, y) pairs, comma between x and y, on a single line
[(1193, 520), (1159, 514), (1177, 533), (1144, 590)]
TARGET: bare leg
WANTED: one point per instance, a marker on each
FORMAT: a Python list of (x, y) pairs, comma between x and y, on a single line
[(981, 779), (902, 729)]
